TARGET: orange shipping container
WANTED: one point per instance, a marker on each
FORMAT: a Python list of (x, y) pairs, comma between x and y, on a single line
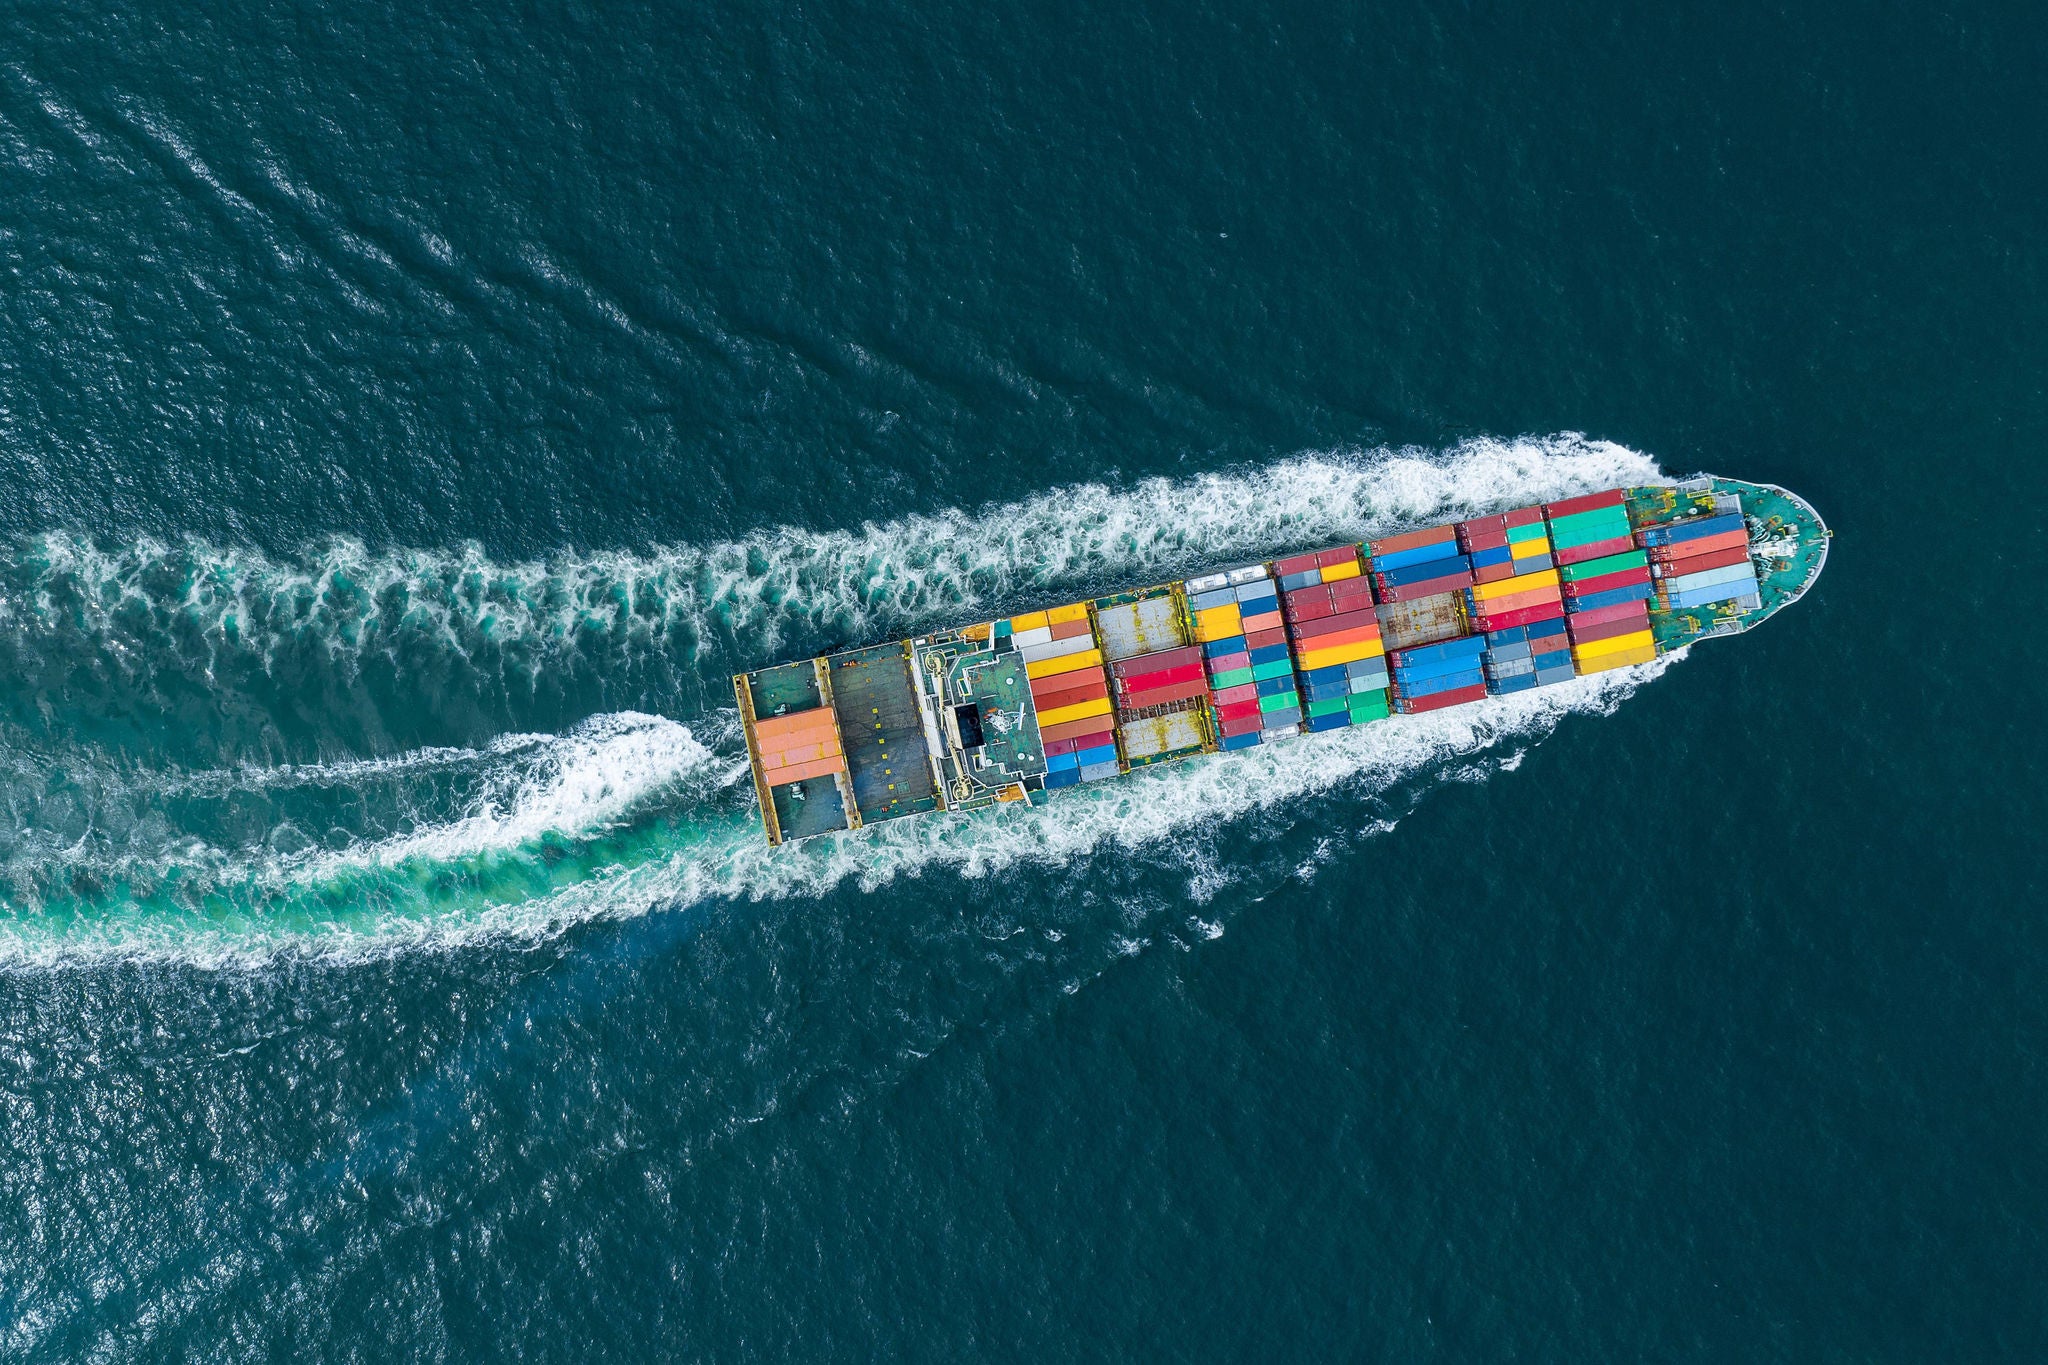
[(1075, 729), (805, 771), (774, 728)]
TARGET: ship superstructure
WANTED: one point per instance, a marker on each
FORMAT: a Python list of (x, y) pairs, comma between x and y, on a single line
[(1012, 710)]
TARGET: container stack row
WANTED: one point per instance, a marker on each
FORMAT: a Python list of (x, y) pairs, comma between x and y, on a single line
[(1144, 685), (1430, 677), (1521, 657), (1517, 599), (1251, 676), (1606, 582), (1339, 658), (1070, 692), (1701, 560), (1419, 564)]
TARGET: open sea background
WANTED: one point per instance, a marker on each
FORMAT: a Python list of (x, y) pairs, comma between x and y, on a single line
[(411, 414)]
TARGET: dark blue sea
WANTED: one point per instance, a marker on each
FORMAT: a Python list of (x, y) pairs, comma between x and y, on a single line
[(412, 414)]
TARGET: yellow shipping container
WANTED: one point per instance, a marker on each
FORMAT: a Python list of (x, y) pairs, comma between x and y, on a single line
[(1333, 572), (1029, 621), (1064, 663), (1060, 615), (1342, 654), (1633, 640), (1508, 587), (1529, 549), (1080, 710), (1601, 663), (1219, 623)]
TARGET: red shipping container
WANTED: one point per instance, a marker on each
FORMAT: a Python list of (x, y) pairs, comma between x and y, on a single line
[(1160, 696), (1686, 549), (1638, 612), (1508, 620), (1431, 588), (1521, 516), (1228, 662), (1483, 540), (1493, 573), (1230, 696), (1599, 549), (1717, 559), (1607, 582), (1170, 677), (1294, 564), (1070, 729), (1239, 706), (1437, 701), (1612, 497), (1240, 725), (1409, 540), (1071, 630), (1343, 554), (1157, 662), (1260, 639), (1067, 746), (1330, 625), (1071, 696), (1351, 590), (1605, 630), (1309, 608)]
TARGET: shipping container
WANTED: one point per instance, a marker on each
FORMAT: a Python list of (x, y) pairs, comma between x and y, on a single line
[(1607, 630), (1606, 564), (1438, 701), (1408, 540), (1621, 659), (1425, 572), (1607, 497), (1686, 549), (1415, 592), (1692, 528), (1620, 611), (1591, 587), (1635, 593), (1612, 644), (1713, 559)]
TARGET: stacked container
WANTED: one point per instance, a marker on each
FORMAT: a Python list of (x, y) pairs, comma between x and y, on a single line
[(1607, 581), (1419, 564), (1070, 693), (1251, 677), (1534, 655), (1338, 655), (1701, 560), (1612, 636), (1528, 540), (1164, 678), (1430, 677), (1589, 527)]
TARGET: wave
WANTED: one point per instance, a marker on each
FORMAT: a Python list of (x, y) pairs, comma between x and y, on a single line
[(525, 834)]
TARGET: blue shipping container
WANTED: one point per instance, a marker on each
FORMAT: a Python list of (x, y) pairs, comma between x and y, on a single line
[(1693, 529), (1726, 592), (1063, 777), (1273, 687), (1291, 581), (1446, 682), (1468, 647), (1336, 720), (1216, 597), (1547, 676), (1101, 753), (1268, 654), (1334, 673), (1501, 653), (1323, 691), (1058, 761), (1541, 630), (1520, 682), (1216, 649), (1419, 554), (1244, 741), (1499, 554), (1513, 635), (1422, 573), (1614, 597)]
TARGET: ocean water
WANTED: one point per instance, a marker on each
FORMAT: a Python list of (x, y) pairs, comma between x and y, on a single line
[(410, 416)]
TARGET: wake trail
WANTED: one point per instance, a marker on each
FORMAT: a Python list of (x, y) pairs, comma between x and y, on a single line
[(626, 812)]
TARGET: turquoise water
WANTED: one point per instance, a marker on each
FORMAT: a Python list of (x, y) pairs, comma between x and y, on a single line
[(409, 418)]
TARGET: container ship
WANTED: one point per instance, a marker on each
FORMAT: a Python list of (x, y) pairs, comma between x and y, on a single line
[(1013, 710)]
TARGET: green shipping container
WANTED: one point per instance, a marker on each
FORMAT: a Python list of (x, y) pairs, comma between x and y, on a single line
[(1329, 706), (1609, 523), (1369, 706), (1232, 678), (1279, 701), (1279, 668), (1594, 568), (1535, 530)]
